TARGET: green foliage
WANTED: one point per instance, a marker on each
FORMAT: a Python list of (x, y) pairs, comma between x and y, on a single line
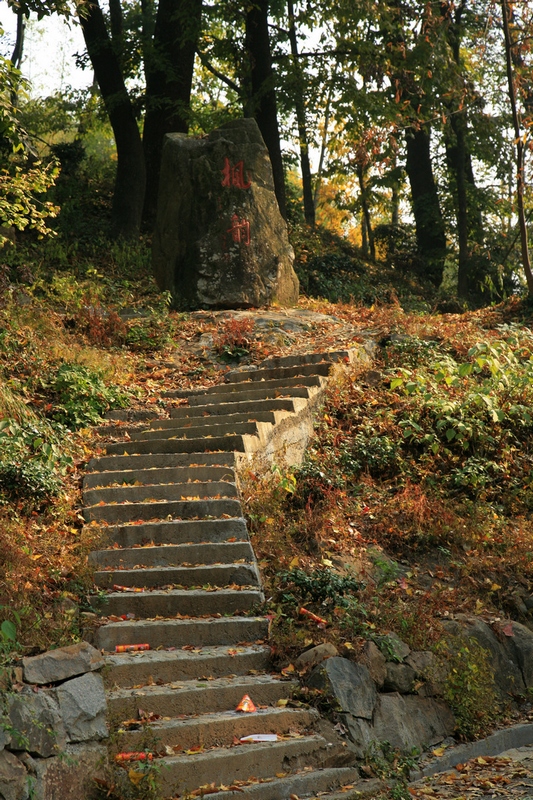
[(469, 686), (21, 198), (329, 267), (320, 586), (387, 761), (82, 395), (31, 462), (463, 423), (9, 633)]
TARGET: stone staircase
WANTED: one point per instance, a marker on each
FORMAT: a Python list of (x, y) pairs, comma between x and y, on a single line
[(177, 572)]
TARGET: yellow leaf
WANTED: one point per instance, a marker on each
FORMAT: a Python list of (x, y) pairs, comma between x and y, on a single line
[(439, 751), (294, 563), (495, 587), (282, 702), (135, 776), (348, 645)]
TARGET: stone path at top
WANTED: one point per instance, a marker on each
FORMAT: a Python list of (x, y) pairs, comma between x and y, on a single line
[(178, 573)]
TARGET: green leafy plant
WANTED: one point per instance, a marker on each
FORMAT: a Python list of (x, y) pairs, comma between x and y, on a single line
[(320, 586), (82, 396), (469, 687), (31, 461)]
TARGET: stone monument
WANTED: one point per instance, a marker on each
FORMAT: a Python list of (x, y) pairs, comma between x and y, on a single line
[(220, 240)]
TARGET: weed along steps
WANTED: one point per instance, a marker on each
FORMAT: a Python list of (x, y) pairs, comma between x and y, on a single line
[(179, 587)]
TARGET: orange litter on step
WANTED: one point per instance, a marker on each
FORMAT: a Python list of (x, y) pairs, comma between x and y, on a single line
[(130, 648), (118, 588), (246, 704), (134, 757), (309, 614)]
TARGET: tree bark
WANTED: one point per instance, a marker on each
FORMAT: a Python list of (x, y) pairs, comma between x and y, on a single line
[(430, 234), (299, 107), (169, 72), (522, 223), (262, 93), (130, 177), (365, 208), (18, 50)]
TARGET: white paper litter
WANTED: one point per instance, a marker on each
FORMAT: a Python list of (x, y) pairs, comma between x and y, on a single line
[(260, 737)]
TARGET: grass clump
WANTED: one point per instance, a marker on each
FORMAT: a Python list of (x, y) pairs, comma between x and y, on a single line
[(82, 396), (469, 687)]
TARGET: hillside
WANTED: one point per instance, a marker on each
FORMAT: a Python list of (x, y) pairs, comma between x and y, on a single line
[(412, 505)]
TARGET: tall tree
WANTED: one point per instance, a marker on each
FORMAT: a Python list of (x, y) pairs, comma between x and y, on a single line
[(299, 107), (169, 65), (513, 54), (130, 180), (262, 93), (168, 43)]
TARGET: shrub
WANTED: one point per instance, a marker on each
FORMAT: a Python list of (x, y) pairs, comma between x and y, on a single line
[(233, 338), (31, 462), (469, 687), (82, 396)]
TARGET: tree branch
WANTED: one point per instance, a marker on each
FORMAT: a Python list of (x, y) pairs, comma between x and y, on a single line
[(214, 71)]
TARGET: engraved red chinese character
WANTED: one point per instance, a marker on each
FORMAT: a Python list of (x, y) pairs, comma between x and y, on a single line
[(233, 175), (240, 230)]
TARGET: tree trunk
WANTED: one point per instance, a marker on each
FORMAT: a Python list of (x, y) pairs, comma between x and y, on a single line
[(262, 93), (169, 72), (366, 213), (130, 178), (522, 223), (467, 211), (430, 235), (18, 50), (299, 107), (456, 157)]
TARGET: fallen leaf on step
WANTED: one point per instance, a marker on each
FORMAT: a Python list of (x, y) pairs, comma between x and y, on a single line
[(135, 776)]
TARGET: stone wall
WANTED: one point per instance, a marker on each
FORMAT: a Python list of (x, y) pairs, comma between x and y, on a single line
[(52, 726), (393, 694)]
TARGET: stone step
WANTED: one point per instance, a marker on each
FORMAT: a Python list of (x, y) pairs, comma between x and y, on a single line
[(271, 404), (223, 766), (333, 356), (199, 431), (149, 477), (236, 389), (153, 577), (207, 421), (183, 531), (128, 415), (307, 783), (160, 491), (130, 463), (188, 602), (170, 509), (253, 393), (159, 446), (194, 697), (279, 373), (220, 729), (173, 555), (181, 632), (163, 666)]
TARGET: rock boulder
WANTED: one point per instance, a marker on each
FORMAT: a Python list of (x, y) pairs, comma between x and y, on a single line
[(82, 703), (63, 663), (348, 683), (220, 240)]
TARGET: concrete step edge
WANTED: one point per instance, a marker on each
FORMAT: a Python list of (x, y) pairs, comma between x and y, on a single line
[(158, 576), (311, 783), (174, 632)]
